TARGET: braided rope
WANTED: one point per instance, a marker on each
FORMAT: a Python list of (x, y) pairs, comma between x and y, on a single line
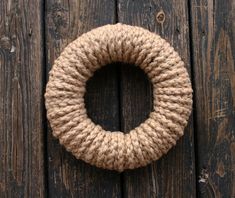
[(65, 91)]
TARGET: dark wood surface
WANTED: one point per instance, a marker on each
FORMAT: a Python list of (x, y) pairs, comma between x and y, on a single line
[(174, 174), (213, 31), (67, 176), (21, 99), (119, 97)]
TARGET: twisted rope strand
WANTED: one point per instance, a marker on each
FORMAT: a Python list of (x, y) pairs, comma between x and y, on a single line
[(172, 94)]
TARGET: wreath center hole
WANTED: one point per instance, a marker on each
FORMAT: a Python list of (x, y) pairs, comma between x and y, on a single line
[(119, 97)]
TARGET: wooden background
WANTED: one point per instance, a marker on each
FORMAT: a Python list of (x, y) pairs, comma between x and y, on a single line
[(32, 35)]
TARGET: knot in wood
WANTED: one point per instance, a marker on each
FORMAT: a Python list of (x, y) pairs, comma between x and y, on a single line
[(160, 17)]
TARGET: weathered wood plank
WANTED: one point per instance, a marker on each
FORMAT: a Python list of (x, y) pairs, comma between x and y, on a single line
[(21, 99), (69, 177), (174, 174), (214, 76)]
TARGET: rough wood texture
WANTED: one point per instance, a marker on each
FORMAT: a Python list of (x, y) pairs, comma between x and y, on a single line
[(174, 174), (67, 176), (213, 39), (118, 98), (21, 101)]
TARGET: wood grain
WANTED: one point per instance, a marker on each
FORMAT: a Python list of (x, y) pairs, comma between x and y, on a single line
[(213, 36), (67, 176), (174, 174), (21, 99), (119, 97)]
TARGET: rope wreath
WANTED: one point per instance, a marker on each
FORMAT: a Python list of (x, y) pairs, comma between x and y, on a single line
[(172, 94)]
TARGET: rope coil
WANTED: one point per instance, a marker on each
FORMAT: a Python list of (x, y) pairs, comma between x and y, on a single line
[(172, 94)]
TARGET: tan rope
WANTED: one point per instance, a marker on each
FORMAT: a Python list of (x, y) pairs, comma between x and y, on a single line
[(65, 91)]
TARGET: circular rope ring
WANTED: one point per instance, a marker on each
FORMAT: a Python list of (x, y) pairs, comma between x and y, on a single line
[(172, 94)]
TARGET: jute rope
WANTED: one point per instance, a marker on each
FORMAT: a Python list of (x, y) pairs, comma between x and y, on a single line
[(65, 91)]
